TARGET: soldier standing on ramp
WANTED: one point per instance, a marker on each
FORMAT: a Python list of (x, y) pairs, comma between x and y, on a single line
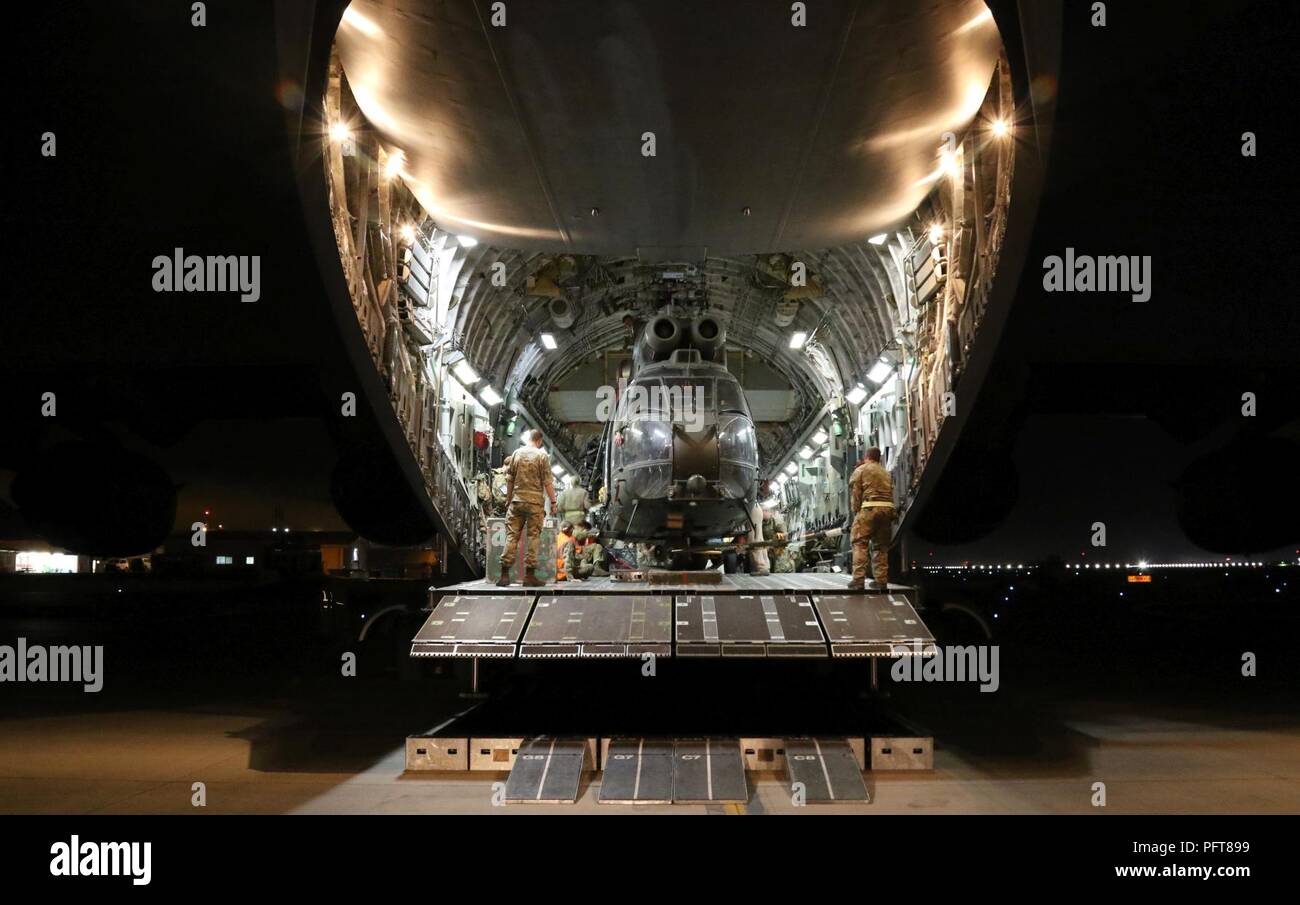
[(872, 512), (529, 476)]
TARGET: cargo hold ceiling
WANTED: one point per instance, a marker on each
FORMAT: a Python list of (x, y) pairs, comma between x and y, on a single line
[(516, 133)]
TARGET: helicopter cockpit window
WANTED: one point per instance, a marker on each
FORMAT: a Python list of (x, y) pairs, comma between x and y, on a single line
[(731, 398)]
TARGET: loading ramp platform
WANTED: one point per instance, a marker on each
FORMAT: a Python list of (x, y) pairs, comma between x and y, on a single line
[(794, 615)]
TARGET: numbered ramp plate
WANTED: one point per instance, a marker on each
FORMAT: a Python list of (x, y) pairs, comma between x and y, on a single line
[(873, 625), (607, 625), (708, 770), (637, 771), (748, 625), (827, 768), (473, 627), (547, 771)]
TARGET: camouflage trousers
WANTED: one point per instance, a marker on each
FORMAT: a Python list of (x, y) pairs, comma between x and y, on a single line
[(523, 516), (872, 528)]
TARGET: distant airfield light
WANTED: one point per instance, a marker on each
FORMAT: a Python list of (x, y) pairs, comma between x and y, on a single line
[(464, 373), (467, 241), (490, 396), (880, 239), (820, 437), (548, 341), (856, 395), (798, 339)]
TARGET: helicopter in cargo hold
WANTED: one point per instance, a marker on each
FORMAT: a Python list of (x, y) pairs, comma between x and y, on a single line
[(678, 458)]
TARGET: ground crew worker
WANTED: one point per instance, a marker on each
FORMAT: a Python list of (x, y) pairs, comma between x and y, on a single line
[(528, 478), (872, 512), (758, 561), (586, 555), (563, 551), (574, 502)]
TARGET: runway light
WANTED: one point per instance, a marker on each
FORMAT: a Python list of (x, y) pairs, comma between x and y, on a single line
[(467, 241), (806, 452), (464, 373), (856, 395), (798, 339), (339, 132), (880, 239), (936, 233), (407, 232), (548, 341), (880, 372), (1000, 128), (820, 437), (792, 468), (490, 396)]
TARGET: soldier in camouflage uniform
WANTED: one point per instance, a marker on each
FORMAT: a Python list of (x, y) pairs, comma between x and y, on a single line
[(574, 501), (528, 479), (872, 511), (584, 556)]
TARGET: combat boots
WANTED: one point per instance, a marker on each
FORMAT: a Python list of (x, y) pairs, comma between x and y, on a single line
[(854, 585), (504, 581), (531, 580)]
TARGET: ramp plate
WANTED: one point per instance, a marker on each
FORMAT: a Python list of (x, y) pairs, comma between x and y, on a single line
[(873, 625), (637, 771), (827, 768), (473, 627), (607, 625), (547, 771), (708, 770), (748, 625)]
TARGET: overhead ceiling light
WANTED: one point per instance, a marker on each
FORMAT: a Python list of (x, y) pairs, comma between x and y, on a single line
[(820, 437), (489, 395), (407, 232), (467, 241), (393, 165), (936, 232), (880, 239), (548, 340), (340, 132), (792, 468), (856, 395), (880, 371), (782, 478), (464, 373), (798, 339), (806, 452), (1000, 128), (557, 470)]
